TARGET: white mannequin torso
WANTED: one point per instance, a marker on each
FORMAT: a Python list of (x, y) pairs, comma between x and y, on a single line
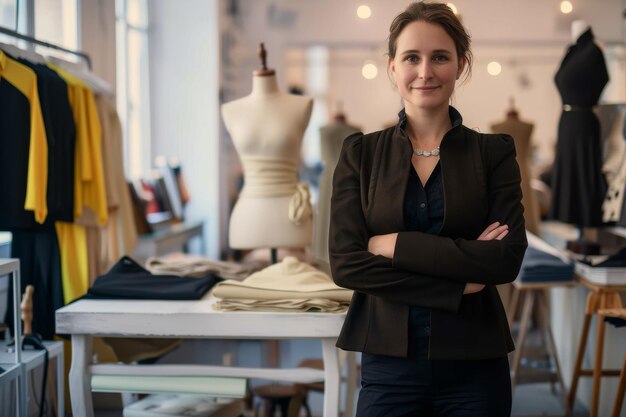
[(267, 128)]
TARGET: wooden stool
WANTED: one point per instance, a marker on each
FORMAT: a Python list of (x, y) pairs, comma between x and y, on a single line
[(536, 292), (315, 386), (601, 297), (278, 396), (619, 313)]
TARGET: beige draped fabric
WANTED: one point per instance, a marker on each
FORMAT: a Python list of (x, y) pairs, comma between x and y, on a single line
[(121, 232), (280, 286), (197, 266), (273, 177)]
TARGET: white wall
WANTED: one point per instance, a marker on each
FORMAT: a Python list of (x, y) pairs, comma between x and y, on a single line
[(529, 38), (184, 86), (97, 36)]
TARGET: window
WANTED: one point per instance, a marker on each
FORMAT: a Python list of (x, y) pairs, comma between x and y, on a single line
[(133, 99), (8, 13), (56, 22), (53, 21)]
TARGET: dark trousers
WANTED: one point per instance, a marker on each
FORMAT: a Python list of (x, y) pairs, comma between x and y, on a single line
[(418, 387)]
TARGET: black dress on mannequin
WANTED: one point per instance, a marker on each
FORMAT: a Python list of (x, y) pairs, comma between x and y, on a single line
[(578, 186)]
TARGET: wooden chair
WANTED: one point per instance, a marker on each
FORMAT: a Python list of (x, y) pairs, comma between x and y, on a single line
[(314, 386), (601, 297), (286, 398), (534, 294)]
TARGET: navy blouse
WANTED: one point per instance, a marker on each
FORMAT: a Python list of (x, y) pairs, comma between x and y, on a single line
[(423, 212)]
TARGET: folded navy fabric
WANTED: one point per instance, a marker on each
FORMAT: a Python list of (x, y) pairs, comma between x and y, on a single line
[(129, 280), (539, 266)]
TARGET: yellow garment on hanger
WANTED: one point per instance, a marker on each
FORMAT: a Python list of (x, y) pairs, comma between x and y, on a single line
[(25, 80), (89, 187), (89, 190), (74, 271)]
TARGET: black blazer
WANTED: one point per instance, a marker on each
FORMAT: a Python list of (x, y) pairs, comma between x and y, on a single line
[(481, 183)]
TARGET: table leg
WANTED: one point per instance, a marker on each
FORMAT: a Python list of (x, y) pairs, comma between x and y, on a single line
[(597, 365), (331, 377), (61, 383), (545, 313), (80, 377), (529, 301), (571, 399), (350, 385), (619, 395)]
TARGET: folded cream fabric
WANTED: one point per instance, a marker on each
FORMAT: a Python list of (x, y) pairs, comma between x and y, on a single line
[(197, 266), (286, 280), (282, 305)]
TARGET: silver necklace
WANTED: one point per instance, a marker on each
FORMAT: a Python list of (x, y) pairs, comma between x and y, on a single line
[(426, 154)]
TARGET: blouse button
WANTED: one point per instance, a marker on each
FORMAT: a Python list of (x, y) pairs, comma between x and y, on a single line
[(422, 205)]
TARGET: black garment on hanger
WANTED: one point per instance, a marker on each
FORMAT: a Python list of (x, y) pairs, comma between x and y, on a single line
[(61, 139), (578, 186), (129, 280), (14, 154)]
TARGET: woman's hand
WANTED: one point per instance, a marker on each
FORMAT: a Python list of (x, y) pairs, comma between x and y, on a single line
[(383, 245), (495, 231), (471, 288)]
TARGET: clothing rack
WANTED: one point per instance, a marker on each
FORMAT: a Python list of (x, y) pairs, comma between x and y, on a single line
[(30, 39)]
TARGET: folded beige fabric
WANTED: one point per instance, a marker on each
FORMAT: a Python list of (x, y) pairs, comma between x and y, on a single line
[(197, 266), (282, 305), (286, 280)]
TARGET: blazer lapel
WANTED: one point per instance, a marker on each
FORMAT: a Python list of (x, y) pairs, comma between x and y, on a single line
[(387, 187), (464, 187)]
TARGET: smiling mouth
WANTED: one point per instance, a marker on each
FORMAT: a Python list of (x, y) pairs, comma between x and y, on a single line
[(429, 88)]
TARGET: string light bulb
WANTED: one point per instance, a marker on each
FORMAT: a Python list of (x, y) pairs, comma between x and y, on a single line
[(369, 71), (566, 7), (364, 11), (494, 68)]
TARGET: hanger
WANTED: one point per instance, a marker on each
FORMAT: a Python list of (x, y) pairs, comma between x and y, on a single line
[(16, 52), (81, 70), (49, 45)]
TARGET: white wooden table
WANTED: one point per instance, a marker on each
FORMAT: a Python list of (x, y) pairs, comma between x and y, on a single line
[(197, 319)]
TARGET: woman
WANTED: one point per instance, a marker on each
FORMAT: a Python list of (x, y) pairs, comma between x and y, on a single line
[(426, 220)]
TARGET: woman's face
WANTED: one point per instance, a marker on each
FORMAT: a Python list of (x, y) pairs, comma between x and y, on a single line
[(426, 66)]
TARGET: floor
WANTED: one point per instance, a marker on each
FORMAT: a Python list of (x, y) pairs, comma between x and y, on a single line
[(529, 400)]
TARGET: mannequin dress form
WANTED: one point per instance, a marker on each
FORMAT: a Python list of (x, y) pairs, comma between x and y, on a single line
[(331, 141), (273, 210), (577, 184), (521, 132)]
